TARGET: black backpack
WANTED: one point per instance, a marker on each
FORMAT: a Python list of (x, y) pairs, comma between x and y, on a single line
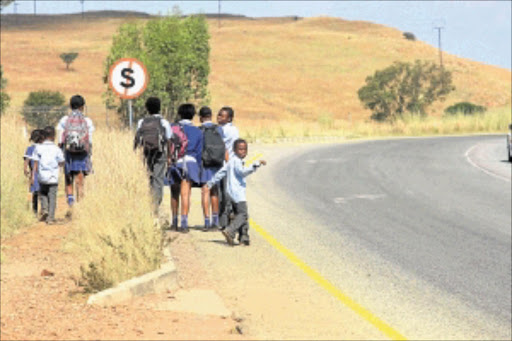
[(214, 149), (151, 135)]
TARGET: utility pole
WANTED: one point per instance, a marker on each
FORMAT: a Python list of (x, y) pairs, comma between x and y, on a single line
[(15, 4), (82, 2), (439, 28), (218, 14), (34, 7)]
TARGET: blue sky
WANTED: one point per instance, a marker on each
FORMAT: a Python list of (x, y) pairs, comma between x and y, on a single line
[(478, 30)]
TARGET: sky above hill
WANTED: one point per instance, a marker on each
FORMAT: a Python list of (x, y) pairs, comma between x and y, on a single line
[(477, 30)]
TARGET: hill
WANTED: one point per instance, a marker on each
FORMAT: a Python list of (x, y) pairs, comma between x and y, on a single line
[(267, 69)]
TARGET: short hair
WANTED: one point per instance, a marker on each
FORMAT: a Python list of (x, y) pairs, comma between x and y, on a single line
[(187, 111), (205, 112), (153, 105), (237, 142), (230, 111), (49, 132), (76, 102), (37, 135)]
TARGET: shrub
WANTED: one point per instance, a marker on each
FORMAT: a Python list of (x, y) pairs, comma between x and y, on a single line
[(4, 98), (409, 36), (465, 108), (42, 108)]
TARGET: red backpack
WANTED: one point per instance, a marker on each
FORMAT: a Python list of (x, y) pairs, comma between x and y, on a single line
[(179, 142), (76, 134)]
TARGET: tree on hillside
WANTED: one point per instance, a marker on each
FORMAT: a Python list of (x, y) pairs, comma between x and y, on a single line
[(4, 98), (68, 58), (405, 87), (175, 52), (43, 108)]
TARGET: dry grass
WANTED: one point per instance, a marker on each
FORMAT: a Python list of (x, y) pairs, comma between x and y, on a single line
[(15, 205), (114, 232)]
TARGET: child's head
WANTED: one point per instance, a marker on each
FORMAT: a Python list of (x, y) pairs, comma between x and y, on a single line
[(153, 105), (240, 148), (77, 102), (37, 136), (205, 114), (49, 133), (186, 111), (225, 115)]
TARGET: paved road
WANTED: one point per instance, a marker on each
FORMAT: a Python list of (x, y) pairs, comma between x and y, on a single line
[(417, 230)]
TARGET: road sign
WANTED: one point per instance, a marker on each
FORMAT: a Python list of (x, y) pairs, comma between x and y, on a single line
[(128, 78)]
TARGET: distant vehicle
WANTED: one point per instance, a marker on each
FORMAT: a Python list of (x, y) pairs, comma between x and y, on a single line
[(509, 142)]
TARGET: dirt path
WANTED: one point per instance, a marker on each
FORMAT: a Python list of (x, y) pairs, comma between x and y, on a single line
[(269, 297)]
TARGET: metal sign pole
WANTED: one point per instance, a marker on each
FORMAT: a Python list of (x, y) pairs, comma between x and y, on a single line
[(130, 112)]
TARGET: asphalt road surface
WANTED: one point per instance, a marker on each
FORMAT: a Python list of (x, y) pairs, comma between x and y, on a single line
[(417, 230)]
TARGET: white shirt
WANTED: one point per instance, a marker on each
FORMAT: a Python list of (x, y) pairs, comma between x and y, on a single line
[(165, 124), (61, 126), (48, 156), (231, 134)]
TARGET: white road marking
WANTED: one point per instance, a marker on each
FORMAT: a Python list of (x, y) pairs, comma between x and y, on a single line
[(471, 162), (342, 200)]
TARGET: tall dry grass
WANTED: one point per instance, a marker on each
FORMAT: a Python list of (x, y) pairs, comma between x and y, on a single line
[(14, 194), (494, 121), (114, 235)]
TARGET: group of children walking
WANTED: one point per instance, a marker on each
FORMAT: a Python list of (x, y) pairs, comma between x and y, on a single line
[(179, 155), (210, 156), (44, 158)]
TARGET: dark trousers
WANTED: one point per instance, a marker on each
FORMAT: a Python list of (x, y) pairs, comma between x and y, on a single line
[(225, 204), (35, 198), (48, 195), (240, 222), (156, 164)]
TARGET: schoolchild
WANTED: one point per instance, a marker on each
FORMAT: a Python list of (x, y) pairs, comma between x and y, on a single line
[(186, 171), (47, 160), (154, 135), (225, 118), (37, 137), (235, 173), (213, 157), (75, 137)]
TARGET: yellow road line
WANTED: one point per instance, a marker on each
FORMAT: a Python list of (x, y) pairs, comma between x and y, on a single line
[(324, 283)]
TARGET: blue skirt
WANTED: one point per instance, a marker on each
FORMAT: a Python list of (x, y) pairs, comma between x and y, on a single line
[(77, 163), (176, 173), (207, 173), (35, 186)]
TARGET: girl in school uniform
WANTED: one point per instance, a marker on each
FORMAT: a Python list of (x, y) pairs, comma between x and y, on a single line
[(186, 172)]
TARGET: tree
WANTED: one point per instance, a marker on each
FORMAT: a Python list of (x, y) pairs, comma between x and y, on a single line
[(409, 36), (68, 58), (175, 52), (5, 3), (405, 87), (43, 108), (465, 108), (4, 98)]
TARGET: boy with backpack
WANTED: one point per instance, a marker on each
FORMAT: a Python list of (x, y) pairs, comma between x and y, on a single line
[(213, 157), (154, 136), (75, 137), (47, 160), (235, 173)]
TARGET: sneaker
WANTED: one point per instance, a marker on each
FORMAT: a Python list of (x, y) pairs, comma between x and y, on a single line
[(44, 216), (184, 230), (174, 227), (229, 239), (206, 228), (71, 201), (245, 243), (51, 222)]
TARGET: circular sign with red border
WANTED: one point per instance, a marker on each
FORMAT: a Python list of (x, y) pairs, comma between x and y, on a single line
[(128, 78)]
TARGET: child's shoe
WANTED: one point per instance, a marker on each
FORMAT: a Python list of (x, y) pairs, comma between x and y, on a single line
[(44, 216), (229, 238), (71, 200)]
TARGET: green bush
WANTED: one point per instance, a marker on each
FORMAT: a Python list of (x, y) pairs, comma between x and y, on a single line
[(465, 108), (43, 108), (409, 36), (4, 98)]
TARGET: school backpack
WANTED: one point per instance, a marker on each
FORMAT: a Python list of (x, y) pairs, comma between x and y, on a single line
[(214, 149), (151, 135), (179, 142), (76, 134)]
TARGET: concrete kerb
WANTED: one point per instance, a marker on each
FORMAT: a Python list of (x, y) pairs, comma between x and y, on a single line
[(158, 281)]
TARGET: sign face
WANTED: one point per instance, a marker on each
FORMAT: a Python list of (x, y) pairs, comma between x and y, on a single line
[(128, 78)]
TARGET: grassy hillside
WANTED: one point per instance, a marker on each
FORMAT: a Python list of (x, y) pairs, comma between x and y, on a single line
[(267, 69)]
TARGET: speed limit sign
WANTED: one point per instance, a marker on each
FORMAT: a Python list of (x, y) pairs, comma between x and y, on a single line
[(128, 78)]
